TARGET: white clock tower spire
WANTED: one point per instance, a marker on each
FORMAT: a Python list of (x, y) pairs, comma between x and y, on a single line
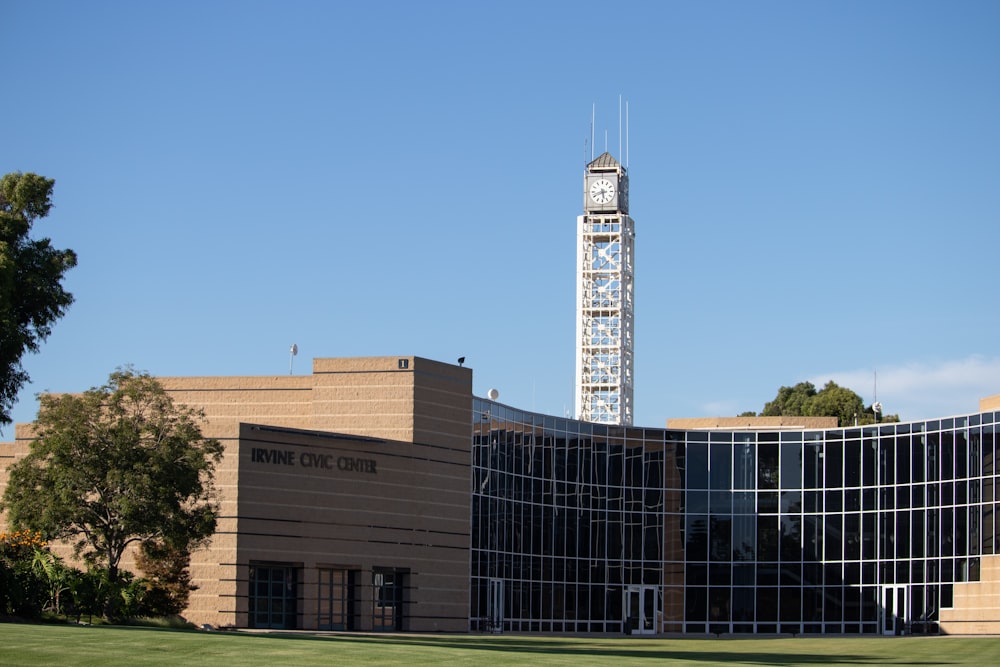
[(604, 296)]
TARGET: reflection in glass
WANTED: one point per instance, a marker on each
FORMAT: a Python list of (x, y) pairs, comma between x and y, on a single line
[(697, 465), (744, 472), (770, 536), (791, 465), (767, 466), (744, 537), (721, 467)]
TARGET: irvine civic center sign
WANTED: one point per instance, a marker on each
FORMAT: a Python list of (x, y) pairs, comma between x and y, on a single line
[(287, 457)]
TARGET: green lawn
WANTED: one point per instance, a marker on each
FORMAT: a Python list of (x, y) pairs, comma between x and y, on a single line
[(22, 644)]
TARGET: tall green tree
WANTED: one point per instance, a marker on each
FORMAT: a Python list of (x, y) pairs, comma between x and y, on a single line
[(803, 400), (32, 297), (790, 401), (116, 465)]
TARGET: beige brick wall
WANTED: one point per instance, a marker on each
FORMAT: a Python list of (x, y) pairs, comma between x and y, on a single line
[(733, 423), (976, 608), (409, 510), (419, 407)]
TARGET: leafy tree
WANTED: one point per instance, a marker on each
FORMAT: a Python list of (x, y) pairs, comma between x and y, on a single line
[(790, 401), (113, 466), (166, 578), (832, 400), (31, 271)]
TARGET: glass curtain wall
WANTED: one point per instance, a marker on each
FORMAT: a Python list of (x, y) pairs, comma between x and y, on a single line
[(568, 517), (860, 530)]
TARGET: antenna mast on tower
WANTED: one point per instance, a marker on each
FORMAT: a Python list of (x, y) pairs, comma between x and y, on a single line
[(593, 111)]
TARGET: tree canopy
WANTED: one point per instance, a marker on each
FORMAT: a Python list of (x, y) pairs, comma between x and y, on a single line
[(803, 400), (116, 465), (32, 297)]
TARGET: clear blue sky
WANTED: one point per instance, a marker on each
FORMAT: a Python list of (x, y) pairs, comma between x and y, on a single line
[(816, 189)]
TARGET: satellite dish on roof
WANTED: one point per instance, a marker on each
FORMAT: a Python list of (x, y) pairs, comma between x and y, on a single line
[(493, 394)]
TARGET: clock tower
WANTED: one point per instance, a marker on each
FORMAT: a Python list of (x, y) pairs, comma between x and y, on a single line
[(604, 296)]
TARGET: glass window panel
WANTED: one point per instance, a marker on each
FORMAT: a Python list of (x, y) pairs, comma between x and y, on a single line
[(697, 465), (791, 537), (868, 542), (852, 537), (947, 532), (869, 450), (720, 534), (917, 533), (852, 463), (720, 574), (791, 465), (902, 461), (918, 463), (744, 503), (813, 501), (947, 456), (902, 497), (834, 535), (743, 467), (791, 604), (721, 467), (812, 460), (961, 531), (834, 501), (833, 611), (961, 455), (767, 502), (767, 574), (834, 461), (744, 537), (697, 537), (888, 461), (767, 605), (697, 502), (767, 538), (961, 492), (721, 502), (743, 606), (852, 499), (696, 603), (696, 574), (767, 466), (718, 610), (743, 575), (869, 499), (812, 538)]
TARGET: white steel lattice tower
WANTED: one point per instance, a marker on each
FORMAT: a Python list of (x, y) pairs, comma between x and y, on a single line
[(604, 296)]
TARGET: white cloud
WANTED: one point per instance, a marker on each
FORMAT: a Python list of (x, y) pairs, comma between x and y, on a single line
[(924, 390)]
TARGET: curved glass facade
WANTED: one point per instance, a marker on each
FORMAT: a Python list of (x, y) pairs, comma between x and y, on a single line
[(582, 527)]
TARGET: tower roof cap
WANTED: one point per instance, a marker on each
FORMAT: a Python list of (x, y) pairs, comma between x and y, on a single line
[(605, 161)]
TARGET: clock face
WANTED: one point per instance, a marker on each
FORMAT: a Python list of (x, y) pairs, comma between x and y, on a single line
[(602, 191)]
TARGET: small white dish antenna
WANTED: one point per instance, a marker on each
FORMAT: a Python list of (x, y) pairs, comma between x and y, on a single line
[(493, 394), (292, 351)]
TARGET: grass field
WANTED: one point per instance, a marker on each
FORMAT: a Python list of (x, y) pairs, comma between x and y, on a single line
[(22, 644)]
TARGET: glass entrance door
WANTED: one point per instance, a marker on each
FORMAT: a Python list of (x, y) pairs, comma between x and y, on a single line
[(494, 620), (895, 609), (273, 596), (387, 600), (642, 606)]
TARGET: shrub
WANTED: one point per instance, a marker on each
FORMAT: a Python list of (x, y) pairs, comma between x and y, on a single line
[(23, 590)]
